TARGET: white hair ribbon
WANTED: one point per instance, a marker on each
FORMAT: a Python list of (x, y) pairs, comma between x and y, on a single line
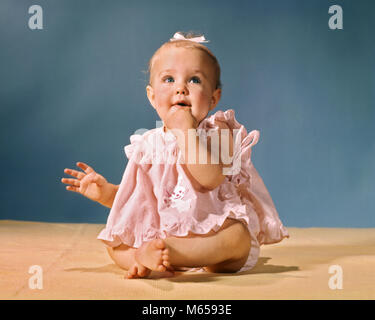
[(179, 36)]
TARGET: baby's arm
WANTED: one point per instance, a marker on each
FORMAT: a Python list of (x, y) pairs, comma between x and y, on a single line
[(210, 174), (91, 185), (111, 193)]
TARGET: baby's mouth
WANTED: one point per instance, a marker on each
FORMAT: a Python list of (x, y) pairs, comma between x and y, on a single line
[(182, 104)]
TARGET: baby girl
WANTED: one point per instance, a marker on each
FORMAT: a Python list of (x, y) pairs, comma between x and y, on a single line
[(172, 210)]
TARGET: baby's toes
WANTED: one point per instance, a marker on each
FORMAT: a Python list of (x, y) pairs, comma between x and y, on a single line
[(132, 272), (143, 271), (166, 262), (161, 268), (159, 244)]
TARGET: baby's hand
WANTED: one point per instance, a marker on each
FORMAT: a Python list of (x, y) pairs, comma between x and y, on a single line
[(88, 183), (180, 118)]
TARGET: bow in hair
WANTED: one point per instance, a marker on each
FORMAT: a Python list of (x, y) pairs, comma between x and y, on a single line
[(179, 36)]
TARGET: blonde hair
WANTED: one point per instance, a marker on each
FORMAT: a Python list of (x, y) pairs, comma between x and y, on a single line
[(189, 45)]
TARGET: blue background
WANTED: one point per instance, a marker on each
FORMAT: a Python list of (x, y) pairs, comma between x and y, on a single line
[(75, 91)]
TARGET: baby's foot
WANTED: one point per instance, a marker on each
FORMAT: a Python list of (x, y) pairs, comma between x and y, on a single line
[(153, 255), (137, 271)]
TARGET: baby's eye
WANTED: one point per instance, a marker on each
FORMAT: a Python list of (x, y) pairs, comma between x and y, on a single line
[(195, 80), (168, 79)]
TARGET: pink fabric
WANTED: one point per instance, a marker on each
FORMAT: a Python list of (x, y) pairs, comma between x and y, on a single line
[(158, 200)]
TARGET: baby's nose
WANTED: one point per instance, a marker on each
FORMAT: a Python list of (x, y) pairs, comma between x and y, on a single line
[(182, 90)]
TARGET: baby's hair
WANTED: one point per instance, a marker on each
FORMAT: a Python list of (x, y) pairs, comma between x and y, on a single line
[(190, 45)]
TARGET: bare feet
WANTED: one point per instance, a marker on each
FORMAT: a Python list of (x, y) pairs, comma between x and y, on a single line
[(154, 255), (137, 271)]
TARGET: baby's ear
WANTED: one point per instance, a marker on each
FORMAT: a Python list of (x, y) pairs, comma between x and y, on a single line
[(150, 95), (216, 95)]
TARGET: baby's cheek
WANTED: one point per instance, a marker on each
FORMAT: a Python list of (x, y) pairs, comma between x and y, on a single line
[(204, 96), (161, 100), (161, 93)]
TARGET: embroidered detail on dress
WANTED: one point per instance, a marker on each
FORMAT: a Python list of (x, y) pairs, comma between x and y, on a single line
[(175, 200)]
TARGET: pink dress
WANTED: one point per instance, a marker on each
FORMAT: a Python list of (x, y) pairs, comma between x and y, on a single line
[(156, 198)]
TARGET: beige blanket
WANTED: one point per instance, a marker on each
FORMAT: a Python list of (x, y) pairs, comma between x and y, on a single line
[(69, 263)]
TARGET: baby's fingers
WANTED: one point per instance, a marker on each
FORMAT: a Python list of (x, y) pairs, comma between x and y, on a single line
[(71, 188), (85, 167), (72, 182), (79, 175)]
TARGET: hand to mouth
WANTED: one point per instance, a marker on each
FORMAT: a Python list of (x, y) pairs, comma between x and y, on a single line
[(180, 117)]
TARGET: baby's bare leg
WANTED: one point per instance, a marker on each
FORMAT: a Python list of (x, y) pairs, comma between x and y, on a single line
[(223, 251)]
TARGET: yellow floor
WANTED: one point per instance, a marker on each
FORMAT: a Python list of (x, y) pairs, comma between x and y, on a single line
[(74, 265)]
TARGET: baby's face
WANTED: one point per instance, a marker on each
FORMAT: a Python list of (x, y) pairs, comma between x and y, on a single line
[(185, 77)]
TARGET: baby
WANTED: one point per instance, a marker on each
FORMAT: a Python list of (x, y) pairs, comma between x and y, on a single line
[(181, 203)]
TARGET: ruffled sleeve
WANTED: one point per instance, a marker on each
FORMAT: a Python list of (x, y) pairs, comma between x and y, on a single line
[(243, 179), (242, 141), (153, 147), (135, 141), (141, 147)]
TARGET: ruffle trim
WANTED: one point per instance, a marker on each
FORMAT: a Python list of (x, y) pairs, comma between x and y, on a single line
[(153, 147), (127, 236), (158, 147), (272, 231)]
